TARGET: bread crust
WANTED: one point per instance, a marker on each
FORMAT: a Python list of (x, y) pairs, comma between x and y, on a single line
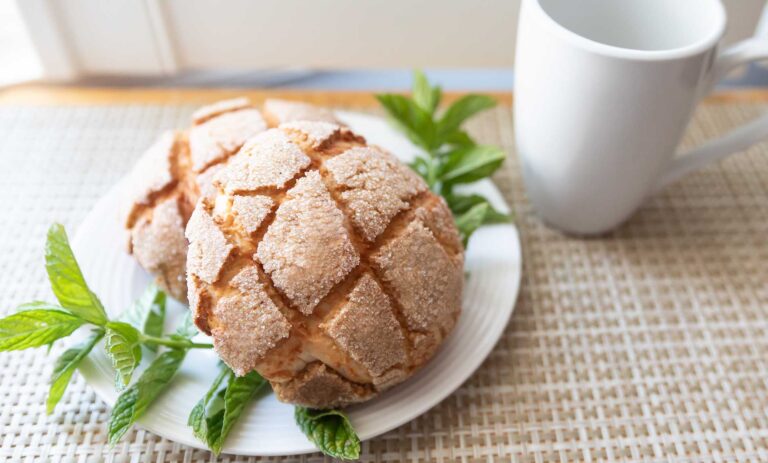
[(278, 112), (358, 259), (179, 168), (313, 258)]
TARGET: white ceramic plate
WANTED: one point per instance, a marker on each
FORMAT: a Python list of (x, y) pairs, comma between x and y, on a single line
[(493, 263)]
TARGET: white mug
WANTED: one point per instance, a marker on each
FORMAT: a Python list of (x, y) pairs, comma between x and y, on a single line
[(604, 90)]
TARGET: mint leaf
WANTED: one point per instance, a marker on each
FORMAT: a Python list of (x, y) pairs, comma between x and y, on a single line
[(469, 164), (240, 390), (460, 204), (133, 402), (471, 220), (123, 348), (65, 366), (148, 313), (459, 139), (330, 431), (420, 165), (38, 324), (67, 280), (461, 110), (213, 417), (187, 329), (412, 119), (426, 96), (210, 405), (452, 157)]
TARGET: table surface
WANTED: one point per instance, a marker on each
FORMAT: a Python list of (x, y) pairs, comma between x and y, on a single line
[(40, 94), (649, 343)]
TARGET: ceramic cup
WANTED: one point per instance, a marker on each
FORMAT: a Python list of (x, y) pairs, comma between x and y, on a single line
[(604, 90)]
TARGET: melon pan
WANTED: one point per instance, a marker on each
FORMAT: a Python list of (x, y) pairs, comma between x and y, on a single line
[(179, 167), (324, 264), (317, 260)]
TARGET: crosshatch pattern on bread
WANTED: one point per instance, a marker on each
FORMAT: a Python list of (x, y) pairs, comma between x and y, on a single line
[(324, 264), (180, 167)]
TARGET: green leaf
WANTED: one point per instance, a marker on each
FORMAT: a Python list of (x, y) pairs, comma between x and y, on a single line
[(461, 110), (330, 431), (187, 329), (460, 204), (239, 392), (459, 139), (426, 96), (213, 417), (36, 325), (412, 119), (67, 280), (148, 313), (454, 157), (471, 220), (420, 165), (133, 402), (124, 349), (65, 366), (206, 408), (469, 164)]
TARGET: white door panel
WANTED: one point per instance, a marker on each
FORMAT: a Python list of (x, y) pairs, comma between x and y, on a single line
[(156, 37)]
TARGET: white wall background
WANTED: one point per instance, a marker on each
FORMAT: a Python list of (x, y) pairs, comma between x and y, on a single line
[(77, 38)]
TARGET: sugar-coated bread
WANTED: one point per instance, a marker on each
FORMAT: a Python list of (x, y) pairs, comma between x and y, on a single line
[(280, 111), (324, 264), (178, 168)]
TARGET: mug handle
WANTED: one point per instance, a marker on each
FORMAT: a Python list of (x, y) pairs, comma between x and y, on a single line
[(737, 140)]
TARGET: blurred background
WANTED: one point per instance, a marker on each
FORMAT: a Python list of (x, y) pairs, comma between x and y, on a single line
[(319, 44)]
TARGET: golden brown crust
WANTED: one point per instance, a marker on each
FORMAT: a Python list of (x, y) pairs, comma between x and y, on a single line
[(390, 378), (182, 168), (436, 216), (204, 180), (319, 387), (208, 247), (307, 250), (250, 211), (349, 246), (213, 141), (322, 263), (218, 108), (247, 323), (159, 246), (269, 159), (375, 187), (281, 111), (152, 174), (317, 133), (366, 327), (198, 302), (426, 281)]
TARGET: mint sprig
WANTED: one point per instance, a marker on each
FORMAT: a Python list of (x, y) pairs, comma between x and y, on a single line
[(450, 156), (65, 367), (40, 323), (330, 431), (36, 325), (148, 313), (141, 326), (67, 281), (215, 414), (123, 346), (135, 400)]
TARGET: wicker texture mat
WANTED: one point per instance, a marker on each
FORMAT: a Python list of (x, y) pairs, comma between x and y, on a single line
[(648, 344)]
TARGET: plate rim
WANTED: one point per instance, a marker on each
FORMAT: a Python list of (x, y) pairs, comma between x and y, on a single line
[(108, 397)]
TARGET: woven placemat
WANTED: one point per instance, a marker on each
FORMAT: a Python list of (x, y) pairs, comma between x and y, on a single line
[(647, 344)]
